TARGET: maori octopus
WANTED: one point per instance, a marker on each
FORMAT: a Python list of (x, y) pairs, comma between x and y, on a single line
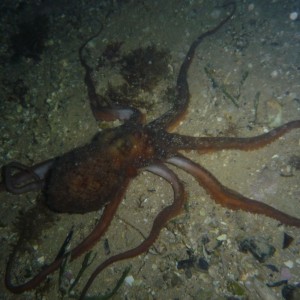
[(97, 175)]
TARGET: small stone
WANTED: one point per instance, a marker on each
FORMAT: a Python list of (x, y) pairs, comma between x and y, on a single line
[(274, 74), (286, 171), (293, 16), (202, 264), (258, 247), (222, 237), (250, 7), (185, 263), (41, 260), (274, 112), (287, 240), (129, 280), (289, 264), (291, 292)]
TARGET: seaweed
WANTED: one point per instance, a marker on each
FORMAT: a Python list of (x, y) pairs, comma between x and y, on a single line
[(256, 102), (29, 42), (122, 94), (143, 68), (109, 295), (28, 223), (110, 55), (125, 95), (30, 226)]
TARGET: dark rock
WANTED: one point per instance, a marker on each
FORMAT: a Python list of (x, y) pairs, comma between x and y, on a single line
[(258, 247), (287, 240), (291, 292)]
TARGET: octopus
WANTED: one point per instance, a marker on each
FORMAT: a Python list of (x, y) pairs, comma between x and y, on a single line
[(97, 175)]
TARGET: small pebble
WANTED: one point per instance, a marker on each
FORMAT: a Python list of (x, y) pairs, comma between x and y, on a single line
[(129, 280), (250, 7), (41, 260), (274, 74), (289, 264), (222, 237), (293, 16)]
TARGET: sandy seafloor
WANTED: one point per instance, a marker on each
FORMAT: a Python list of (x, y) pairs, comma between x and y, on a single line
[(54, 117)]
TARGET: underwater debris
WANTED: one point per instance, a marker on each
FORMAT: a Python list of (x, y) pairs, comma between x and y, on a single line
[(274, 112), (109, 295), (66, 280), (106, 247), (65, 245), (199, 263), (217, 84), (255, 104)]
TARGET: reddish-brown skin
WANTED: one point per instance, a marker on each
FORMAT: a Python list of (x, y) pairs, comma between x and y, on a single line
[(98, 174)]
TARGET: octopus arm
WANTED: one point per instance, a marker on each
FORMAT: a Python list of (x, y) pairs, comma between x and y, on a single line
[(227, 197), (101, 112), (159, 222), (104, 222), (170, 119), (209, 144), (25, 179)]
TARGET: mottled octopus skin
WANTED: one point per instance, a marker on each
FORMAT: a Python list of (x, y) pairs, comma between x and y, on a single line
[(97, 175)]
